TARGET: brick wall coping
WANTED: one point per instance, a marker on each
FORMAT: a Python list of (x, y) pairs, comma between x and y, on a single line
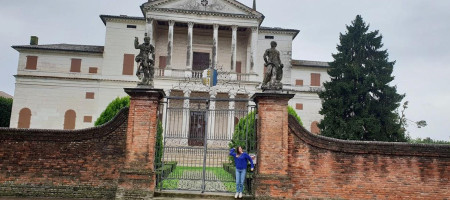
[(366, 147), (15, 134)]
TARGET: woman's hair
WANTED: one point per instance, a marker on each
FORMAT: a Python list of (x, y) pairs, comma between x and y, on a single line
[(237, 150)]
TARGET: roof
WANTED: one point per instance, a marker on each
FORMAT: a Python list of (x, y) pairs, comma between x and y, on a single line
[(5, 95), (104, 17), (309, 63), (264, 28), (63, 47)]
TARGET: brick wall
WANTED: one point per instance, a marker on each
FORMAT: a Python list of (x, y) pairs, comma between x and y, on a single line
[(81, 163), (322, 167)]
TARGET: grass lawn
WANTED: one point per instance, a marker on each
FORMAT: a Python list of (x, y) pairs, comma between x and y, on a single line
[(196, 173)]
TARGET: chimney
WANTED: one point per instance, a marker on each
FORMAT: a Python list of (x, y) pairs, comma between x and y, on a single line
[(34, 40), (254, 4)]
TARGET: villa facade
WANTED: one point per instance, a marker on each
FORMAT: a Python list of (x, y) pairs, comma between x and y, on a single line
[(67, 86)]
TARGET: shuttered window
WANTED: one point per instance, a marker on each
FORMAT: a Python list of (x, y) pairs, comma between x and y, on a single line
[(128, 64), (299, 82), (24, 118), (299, 106), (315, 79), (69, 120), (31, 62), (76, 65)]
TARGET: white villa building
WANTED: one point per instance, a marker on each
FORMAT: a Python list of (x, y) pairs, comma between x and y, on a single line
[(66, 86)]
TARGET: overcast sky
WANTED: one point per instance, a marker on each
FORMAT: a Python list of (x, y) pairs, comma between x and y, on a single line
[(416, 34)]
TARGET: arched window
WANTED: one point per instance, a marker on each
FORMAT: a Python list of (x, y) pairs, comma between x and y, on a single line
[(69, 120), (315, 128), (24, 118)]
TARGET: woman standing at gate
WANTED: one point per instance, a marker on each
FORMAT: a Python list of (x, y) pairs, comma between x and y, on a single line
[(241, 159)]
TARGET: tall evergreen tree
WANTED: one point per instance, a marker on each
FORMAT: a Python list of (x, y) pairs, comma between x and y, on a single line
[(358, 102)]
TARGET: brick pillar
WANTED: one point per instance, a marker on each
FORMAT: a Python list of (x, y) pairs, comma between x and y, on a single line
[(137, 179), (272, 179)]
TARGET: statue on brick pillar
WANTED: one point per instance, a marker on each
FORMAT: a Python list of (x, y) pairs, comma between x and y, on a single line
[(146, 62), (274, 73)]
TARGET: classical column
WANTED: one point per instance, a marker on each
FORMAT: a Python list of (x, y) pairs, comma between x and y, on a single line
[(233, 48), (212, 115), (165, 116), (186, 115), (215, 45), (231, 108), (272, 180), (189, 47), (254, 44), (170, 44), (149, 30)]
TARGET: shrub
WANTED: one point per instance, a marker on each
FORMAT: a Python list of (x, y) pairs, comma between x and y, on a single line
[(5, 111), (111, 111), (247, 125)]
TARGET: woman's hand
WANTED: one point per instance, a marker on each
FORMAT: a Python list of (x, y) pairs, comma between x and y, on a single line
[(251, 169)]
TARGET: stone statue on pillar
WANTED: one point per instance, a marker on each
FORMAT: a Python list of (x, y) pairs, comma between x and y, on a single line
[(146, 62), (274, 73)]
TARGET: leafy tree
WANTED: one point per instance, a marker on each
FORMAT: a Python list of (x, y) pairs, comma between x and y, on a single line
[(111, 111), (247, 125), (5, 111), (427, 141), (358, 102)]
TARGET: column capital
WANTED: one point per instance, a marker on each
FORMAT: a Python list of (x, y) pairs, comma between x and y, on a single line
[(254, 28), (213, 93), (187, 93), (234, 28), (232, 94), (149, 20), (191, 24), (171, 23), (216, 26)]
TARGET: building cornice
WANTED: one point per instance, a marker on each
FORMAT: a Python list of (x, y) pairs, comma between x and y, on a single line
[(121, 18)]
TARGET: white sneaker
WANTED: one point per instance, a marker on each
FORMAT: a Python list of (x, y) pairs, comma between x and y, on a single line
[(236, 196), (240, 195)]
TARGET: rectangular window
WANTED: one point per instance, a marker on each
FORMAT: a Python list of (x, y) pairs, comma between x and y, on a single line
[(31, 62), (131, 26), (90, 95), (162, 62), (270, 37), (87, 119), (93, 70), (128, 64), (299, 106), (299, 82), (315, 79), (76, 65)]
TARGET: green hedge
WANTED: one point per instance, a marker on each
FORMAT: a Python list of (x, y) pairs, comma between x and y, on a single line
[(5, 111), (247, 125), (111, 111)]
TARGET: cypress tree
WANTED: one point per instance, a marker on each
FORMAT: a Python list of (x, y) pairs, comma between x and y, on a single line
[(358, 102)]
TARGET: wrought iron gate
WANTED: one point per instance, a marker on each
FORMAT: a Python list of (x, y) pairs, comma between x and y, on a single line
[(196, 142)]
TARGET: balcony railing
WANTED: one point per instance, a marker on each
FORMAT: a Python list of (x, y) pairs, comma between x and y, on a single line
[(224, 76)]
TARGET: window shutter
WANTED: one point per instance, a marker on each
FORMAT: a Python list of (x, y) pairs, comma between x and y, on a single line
[(315, 79), (128, 64), (76, 65), (31, 62)]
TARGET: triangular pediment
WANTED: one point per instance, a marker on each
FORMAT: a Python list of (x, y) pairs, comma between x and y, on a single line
[(212, 6)]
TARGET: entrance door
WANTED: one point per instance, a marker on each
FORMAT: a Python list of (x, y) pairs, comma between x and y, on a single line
[(197, 128), (200, 61)]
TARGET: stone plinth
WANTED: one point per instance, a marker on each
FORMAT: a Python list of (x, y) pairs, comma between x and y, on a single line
[(137, 179), (272, 180)]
